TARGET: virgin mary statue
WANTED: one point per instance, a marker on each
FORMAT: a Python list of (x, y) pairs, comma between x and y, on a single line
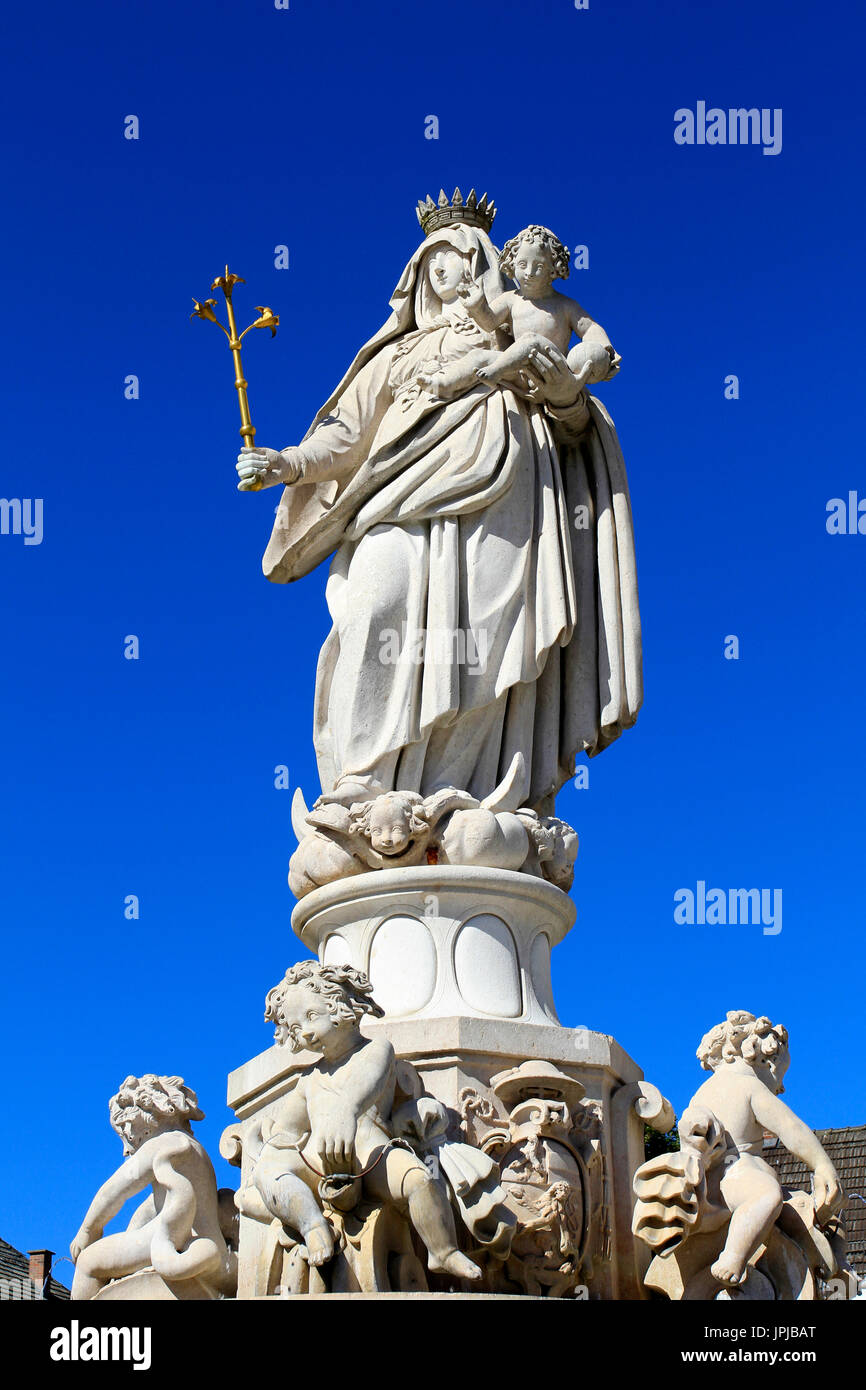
[(482, 585)]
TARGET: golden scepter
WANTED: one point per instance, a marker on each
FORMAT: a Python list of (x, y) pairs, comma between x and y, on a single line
[(266, 319)]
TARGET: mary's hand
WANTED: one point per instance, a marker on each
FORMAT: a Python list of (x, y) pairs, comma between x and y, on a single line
[(260, 468), (555, 383)]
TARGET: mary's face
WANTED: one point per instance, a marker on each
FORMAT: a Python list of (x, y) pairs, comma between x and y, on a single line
[(446, 269)]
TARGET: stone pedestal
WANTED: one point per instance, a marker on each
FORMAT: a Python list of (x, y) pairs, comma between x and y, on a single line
[(454, 1055), (443, 942), (459, 958)]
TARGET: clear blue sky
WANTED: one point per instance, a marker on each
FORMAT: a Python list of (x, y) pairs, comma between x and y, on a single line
[(260, 127)]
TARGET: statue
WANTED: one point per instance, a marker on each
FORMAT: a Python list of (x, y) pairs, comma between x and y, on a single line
[(179, 1231), (715, 1214), (474, 498), (342, 1143), (443, 1131)]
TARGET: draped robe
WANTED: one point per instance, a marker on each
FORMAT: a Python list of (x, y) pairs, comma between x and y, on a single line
[(482, 591)]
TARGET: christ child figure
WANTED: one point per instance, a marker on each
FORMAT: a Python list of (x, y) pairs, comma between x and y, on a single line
[(537, 315)]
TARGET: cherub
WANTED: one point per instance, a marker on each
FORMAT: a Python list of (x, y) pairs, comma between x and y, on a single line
[(452, 825), (537, 317), (177, 1228), (404, 827), (394, 823), (748, 1057), (554, 847), (334, 1124)]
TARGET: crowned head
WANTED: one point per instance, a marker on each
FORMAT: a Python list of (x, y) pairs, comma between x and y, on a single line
[(471, 211)]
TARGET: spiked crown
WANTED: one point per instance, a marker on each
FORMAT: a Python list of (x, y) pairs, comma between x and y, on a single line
[(476, 212)]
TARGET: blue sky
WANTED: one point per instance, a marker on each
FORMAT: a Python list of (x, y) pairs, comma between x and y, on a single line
[(305, 127)]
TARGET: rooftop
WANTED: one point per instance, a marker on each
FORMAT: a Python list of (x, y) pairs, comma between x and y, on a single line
[(15, 1276), (846, 1149)]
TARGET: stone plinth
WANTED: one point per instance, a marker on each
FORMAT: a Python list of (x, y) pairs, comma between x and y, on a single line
[(456, 1053), (459, 959), (444, 941)]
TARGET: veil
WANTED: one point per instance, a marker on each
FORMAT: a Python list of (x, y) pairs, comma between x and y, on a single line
[(415, 304), (308, 526)]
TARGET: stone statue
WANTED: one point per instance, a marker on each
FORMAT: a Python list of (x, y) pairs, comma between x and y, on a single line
[(338, 1139), (474, 498), (715, 1214), (179, 1231), (423, 1121)]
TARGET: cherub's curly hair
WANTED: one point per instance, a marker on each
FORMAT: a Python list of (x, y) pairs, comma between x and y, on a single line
[(347, 993), (144, 1103), (742, 1035), (558, 253), (361, 811)]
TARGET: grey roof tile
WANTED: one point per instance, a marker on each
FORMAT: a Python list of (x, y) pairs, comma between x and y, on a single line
[(15, 1275), (846, 1149)]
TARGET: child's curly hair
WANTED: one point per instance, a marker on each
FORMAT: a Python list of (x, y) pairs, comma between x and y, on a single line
[(742, 1035), (544, 236), (411, 806), (144, 1103), (346, 991)]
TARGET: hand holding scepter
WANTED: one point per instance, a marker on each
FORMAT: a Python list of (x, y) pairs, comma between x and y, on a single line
[(253, 464)]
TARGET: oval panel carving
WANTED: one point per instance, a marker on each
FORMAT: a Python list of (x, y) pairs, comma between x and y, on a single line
[(485, 966), (402, 965), (539, 970), (337, 951)]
